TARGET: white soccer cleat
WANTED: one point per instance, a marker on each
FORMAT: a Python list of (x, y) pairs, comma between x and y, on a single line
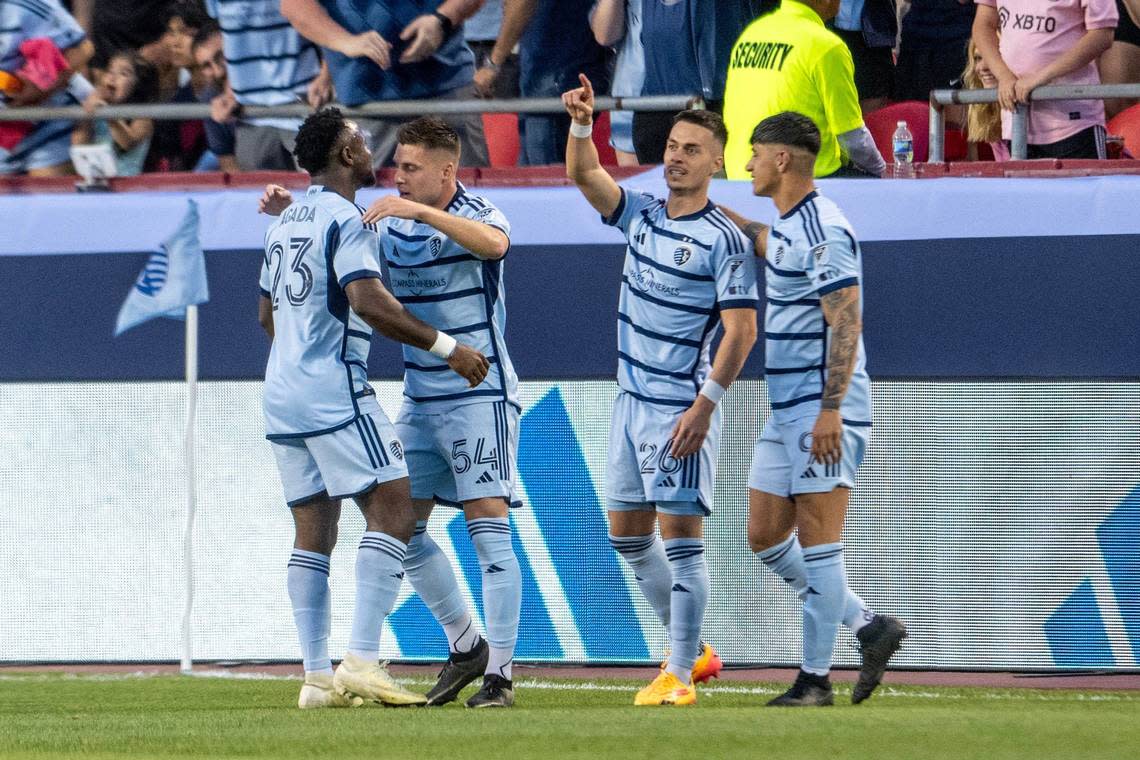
[(357, 677), (318, 691)]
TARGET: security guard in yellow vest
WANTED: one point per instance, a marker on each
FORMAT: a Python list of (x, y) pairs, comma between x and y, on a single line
[(789, 61)]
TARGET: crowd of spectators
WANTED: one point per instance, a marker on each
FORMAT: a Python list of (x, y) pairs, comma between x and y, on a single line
[(235, 54)]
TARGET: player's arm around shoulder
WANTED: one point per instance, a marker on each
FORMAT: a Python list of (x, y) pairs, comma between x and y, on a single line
[(755, 232), (582, 163), (487, 240)]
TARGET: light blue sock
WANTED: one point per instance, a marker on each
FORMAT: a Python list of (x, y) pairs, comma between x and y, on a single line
[(308, 580), (379, 572), (786, 559), (433, 578), (688, 599), (502, 589), (646, 557), (823, 605)]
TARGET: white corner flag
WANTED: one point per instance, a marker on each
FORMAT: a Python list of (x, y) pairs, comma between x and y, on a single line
[(174, 277), (172, 284)]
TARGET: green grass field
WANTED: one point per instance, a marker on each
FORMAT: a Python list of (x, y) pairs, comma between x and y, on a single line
[(174, 716)]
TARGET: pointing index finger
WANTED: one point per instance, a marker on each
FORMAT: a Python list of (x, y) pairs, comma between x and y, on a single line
[(589, 88)]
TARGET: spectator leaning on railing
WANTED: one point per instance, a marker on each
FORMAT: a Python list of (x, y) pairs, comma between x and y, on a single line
[(42, 148), (267, 64), (210, 64), (789, 61), (1048, 43), (396, 50), (983, 120)]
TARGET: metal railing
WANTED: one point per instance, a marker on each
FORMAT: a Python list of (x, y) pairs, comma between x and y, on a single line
[(393, 109), (1019, 129)]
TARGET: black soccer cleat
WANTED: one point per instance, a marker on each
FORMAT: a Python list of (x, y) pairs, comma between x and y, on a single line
[(496, 692), (457, 672), (809, 690), (878, 641)]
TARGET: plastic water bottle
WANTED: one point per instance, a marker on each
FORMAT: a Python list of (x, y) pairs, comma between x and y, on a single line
[(903, 144)]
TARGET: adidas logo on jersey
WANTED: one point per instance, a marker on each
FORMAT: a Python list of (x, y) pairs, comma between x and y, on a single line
[(486, 477), (668, 482), (494, 569), (679, 587)]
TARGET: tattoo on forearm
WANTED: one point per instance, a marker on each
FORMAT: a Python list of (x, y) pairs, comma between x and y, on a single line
[(753, 231), (841, 308)]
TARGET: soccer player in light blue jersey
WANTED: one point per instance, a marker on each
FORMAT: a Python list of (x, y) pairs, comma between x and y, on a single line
[(687, 271), (805, 461), (321, 297), (444, 248)]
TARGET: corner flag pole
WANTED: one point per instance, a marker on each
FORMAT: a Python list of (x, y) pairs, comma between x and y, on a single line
[(191, 480)]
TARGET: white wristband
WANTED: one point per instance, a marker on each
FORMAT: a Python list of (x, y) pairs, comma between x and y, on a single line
[(444, 345), (581, 130), (712, 390)]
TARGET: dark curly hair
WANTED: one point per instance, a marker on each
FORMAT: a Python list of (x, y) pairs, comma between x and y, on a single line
[(316, 139)]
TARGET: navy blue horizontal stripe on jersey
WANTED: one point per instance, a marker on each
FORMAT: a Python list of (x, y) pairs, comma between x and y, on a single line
[(453, 396), (674, 235), (310, 433), (442, 296), (796, 401), (795, 336), (358, 334), (651, 369), (439, 367), (857, 423), (784, 272), (655, 335), (662, 401), (796, 302), (468, 328), (831, 287), (265, 293), (11, 30), (677, 306), (407, 237), (359, 274), (255, 28), (364, 392), (738, 303), (435, 262), (306, 47), (791, 370), (670, 270)]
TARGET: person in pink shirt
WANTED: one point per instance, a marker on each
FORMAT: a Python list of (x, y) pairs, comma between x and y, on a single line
[(1055, 42)]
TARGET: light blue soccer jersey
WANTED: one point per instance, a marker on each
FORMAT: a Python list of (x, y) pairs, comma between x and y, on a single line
[(455, 291), (268, 62), (317, 377), (812, 251), (679, 275)]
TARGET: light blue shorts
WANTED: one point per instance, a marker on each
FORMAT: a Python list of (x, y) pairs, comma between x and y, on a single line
[(641, 469), (464, 453), (49, 144), (782, 463), (344, 463)]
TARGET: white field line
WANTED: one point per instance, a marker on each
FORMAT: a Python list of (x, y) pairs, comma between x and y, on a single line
[(1009, 695)]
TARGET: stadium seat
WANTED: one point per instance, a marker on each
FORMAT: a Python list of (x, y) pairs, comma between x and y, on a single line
[(1127, 124), (502, 132), (884, 121)]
